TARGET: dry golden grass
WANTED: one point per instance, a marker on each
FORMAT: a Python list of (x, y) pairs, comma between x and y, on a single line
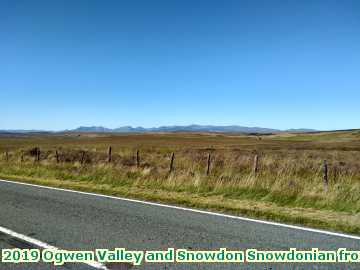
[(288, 187)]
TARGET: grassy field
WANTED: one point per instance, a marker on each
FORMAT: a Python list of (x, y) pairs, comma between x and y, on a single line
[(288, 186)]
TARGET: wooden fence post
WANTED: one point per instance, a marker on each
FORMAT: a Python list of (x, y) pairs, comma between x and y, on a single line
[(172, 162), (137, 159), (109, 154), (57, 156), (208, 164), (256, 165), (82, 157), (6, 155), (22, 157), (325, 175)]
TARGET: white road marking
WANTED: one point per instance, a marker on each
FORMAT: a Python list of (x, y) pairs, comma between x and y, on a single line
[(44, 245), (192, 210)]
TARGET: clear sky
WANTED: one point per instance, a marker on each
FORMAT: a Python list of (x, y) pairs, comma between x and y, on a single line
[(277, 64)]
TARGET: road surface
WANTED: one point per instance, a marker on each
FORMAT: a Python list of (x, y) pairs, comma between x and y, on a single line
[(78, 221)]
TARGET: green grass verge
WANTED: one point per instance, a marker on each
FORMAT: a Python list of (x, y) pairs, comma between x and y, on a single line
[(317, 218)]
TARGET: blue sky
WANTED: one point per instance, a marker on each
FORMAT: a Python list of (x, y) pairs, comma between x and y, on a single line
[(278, 64)]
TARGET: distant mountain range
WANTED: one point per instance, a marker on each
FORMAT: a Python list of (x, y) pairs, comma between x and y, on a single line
[(189, 128)]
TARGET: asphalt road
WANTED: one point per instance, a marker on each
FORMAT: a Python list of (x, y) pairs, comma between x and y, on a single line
[(74, 221)]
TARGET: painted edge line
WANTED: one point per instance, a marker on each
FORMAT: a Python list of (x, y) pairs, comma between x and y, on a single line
[(44, 245), (307, 229)]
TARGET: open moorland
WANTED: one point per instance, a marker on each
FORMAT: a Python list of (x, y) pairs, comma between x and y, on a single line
[(310, 179)]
